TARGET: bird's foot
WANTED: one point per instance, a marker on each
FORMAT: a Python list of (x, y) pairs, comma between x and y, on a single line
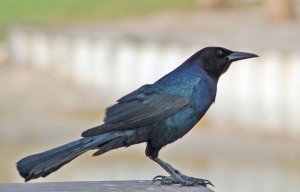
[(164, 180), (182, 180)]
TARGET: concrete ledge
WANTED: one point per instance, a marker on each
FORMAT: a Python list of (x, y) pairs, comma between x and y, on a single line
[(98, 186)]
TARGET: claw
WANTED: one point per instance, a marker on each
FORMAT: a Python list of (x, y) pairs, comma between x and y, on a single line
[(157, 178), (165, 180), (207, 182), (192, 181), (204, 182)]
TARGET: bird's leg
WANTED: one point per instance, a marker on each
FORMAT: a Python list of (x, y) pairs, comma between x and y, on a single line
[(176, 177)]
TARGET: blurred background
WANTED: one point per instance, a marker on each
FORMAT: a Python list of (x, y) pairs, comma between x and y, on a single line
[(62, 62)]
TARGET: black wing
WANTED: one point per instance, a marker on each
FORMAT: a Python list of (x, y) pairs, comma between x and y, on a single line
[(137, 110)]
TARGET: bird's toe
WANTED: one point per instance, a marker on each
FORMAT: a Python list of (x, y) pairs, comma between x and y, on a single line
[(192, 181), (165, 180)]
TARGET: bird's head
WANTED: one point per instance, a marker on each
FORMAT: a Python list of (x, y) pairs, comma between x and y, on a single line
[(217, 59)]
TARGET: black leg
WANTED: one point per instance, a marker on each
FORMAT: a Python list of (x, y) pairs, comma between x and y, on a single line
[(176, 177)]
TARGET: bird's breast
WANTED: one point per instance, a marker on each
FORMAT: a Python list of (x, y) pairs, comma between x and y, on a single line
[(203, 96)]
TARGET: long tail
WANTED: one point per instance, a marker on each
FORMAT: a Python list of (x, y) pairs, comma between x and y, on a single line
[(42, 164)]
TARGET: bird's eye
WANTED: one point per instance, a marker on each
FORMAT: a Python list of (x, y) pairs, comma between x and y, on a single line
[(220, 52)]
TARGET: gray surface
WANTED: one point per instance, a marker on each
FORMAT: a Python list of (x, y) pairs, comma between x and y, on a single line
[(120, 186)]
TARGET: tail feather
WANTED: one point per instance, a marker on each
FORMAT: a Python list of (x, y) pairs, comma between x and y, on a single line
[(113, 144), (42, 164)]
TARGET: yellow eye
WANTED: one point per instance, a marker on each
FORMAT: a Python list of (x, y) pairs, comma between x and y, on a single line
[(220, 52)]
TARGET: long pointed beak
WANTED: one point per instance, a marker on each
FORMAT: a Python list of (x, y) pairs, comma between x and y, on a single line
[(236, 55)]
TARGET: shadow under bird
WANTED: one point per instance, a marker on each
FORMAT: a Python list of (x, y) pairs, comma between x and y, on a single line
[(158, 114)]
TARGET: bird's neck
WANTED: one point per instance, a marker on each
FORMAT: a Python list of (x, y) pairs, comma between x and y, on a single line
[(202, 69), (215, 77)]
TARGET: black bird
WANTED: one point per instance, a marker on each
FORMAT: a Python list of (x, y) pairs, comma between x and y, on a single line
[(158, 114)]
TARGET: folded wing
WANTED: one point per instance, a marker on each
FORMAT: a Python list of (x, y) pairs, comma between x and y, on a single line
[(139, 109)]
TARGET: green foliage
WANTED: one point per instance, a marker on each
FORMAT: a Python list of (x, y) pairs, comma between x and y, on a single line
[(64, 11)]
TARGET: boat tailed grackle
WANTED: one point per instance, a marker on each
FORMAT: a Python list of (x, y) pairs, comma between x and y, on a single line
[(158, 114)]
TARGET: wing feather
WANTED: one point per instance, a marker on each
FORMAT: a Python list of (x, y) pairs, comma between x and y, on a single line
[(142, 110)]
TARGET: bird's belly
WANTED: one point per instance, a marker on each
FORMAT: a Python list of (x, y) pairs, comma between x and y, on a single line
[(174, 127)]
